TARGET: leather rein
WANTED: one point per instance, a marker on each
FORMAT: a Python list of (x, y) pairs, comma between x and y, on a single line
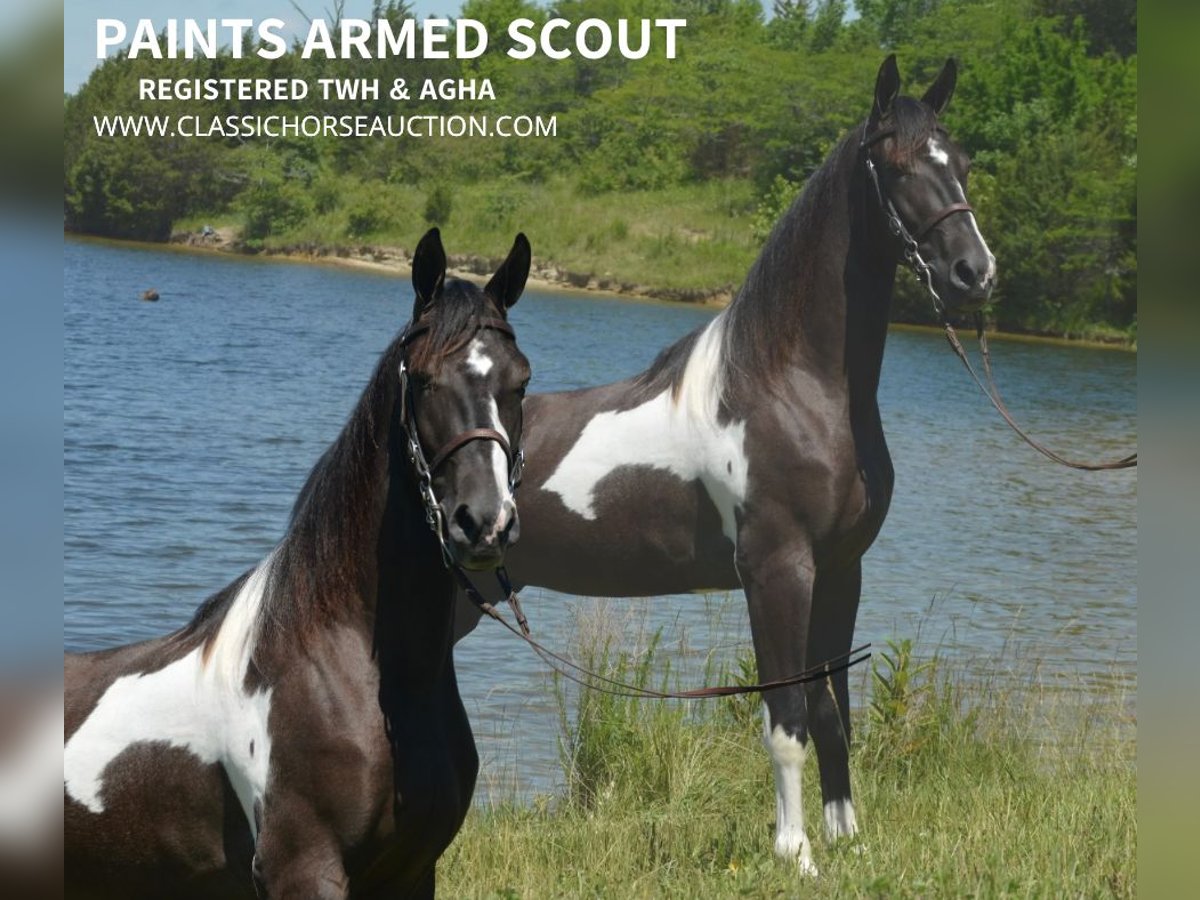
[(924, 275), (435, 518)]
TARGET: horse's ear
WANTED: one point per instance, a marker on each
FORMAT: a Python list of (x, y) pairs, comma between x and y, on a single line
[(428, 270), (939, 93), (887, 87), (509, 281)]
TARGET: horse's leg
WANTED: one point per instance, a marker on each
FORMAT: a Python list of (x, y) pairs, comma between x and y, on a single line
[(778, 588), (835, 606), (423, 888), (298, 858), (426, 888)]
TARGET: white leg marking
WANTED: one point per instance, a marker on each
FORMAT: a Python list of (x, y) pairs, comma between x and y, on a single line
[(682, 437), (478, 361), (201, 707), (787, 755), (839, 820)]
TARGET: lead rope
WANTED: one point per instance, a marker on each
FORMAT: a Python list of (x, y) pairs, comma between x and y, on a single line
[(616, 688), (993, 394)]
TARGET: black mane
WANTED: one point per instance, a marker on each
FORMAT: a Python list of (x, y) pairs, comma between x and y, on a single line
[(329, 545), (766, 318)]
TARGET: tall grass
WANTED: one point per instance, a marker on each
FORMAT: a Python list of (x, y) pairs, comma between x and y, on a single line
[(962, 788)]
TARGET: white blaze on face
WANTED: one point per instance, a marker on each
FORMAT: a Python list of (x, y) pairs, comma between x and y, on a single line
[(680, 436), (197, 705), (942, 158), (936, 153), (500, 468), (478, 361)]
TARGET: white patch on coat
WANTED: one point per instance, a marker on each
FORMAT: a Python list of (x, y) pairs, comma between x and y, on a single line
[(936, 153), (839, 820), (478, 361), (200, 706), (787, 756), (679, 435)]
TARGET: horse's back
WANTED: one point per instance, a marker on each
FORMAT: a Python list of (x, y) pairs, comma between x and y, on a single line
[(618, 499)]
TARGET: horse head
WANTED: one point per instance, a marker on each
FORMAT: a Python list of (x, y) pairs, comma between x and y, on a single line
[(463, 380), (920, 177)]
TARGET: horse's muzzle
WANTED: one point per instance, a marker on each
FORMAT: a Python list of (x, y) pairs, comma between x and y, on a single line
[(479, 542)]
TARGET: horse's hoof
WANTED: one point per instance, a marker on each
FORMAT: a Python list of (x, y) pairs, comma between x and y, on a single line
[(806, 866), (799, 852), (840, 821)]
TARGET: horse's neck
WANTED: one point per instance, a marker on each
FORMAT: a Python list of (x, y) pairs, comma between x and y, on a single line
[(868, 285), (414, 599), (832, 294)]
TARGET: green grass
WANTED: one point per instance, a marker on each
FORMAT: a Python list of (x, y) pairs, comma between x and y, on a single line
[(692, 237), (957, 795)]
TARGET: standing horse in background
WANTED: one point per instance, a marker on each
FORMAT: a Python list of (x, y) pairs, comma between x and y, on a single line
[(304, 736), (751, 452)]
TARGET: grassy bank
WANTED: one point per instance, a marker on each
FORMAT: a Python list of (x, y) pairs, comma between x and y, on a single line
[(681, 241), (958, 795), (691, 243)]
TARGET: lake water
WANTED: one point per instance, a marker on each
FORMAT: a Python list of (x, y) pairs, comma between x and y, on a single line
[(191, 423)]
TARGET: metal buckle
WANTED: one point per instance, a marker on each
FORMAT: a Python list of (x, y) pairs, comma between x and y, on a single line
[(517, 471)]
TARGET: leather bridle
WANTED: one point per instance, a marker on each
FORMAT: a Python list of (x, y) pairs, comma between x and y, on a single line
[(924, 274), (910, 239), (425, 470)]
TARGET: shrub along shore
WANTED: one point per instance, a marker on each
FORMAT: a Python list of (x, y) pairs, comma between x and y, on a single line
[(962, 789)]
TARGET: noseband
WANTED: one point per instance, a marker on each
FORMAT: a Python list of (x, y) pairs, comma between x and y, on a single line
[(910, 239), (424, 469)]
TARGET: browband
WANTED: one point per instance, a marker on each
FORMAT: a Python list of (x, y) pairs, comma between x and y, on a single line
[(417, 329)]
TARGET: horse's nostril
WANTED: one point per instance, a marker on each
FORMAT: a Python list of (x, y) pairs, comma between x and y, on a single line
[(964, 273), (466, 522), (506, 533)]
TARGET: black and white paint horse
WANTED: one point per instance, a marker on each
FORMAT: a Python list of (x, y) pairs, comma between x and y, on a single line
[(751, 454), (303, 736)]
